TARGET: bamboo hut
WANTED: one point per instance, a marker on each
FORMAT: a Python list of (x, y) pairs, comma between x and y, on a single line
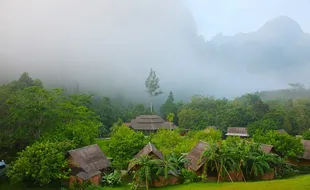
[(87, 164)]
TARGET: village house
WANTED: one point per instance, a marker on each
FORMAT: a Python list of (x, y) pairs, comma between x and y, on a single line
[(267, 148), (87, 163), (195, 159), (150, 123), (282, 131), (237, 131), (154, 153), (303, 160)]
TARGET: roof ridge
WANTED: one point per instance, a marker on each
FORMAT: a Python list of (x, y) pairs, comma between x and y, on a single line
[(151, 122), (83, 147), (151, 147)]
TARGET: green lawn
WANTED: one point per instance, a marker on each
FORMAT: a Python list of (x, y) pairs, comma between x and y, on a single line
[(298, 183)]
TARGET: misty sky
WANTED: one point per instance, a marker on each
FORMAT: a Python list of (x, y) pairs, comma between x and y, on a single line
[(112, 44), (233, 16)]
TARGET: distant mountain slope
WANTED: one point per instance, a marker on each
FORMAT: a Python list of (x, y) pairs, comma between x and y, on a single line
[(278, 44)]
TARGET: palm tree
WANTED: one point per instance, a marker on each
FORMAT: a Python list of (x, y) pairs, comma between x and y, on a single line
[(166, 166), (170, 118), (216, 158), (147, 169), (178, 162)]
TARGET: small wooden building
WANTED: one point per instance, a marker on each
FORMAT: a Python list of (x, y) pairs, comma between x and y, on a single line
[(282, 131), (195, 157), (267, 148), (237, 131), (87, 163), (196, 162), (150, 123), (303, 160), (148, 149), (154, 153)]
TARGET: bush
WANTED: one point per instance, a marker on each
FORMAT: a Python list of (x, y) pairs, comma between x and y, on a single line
[(42, 163), (285, 145), (124, 145), (3, 174), (208, 135), (133, 185), (306, 135), (84, 185), (189, 176), (112, 179), (80, 185)]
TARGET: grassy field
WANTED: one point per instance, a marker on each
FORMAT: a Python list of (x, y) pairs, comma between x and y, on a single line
[(297, 183)]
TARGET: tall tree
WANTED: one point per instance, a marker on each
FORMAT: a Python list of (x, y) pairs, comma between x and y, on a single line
[(152, 86), (169, 106)]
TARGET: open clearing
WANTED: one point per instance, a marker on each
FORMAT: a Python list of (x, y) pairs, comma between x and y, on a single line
[(297, 183)]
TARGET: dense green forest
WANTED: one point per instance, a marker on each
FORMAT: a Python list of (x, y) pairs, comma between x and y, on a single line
[(53, 121), (30, 112)]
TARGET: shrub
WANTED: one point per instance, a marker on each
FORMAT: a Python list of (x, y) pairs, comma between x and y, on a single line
[(124, 145), (133, 185), (189, 176), (285, 145), (3, 174), (80, 185), (42, 162), (306, 135), (112, 179)]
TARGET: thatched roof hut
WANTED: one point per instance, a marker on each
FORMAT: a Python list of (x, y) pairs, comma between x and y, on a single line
[(194, 156), (237, 131), (266, 148), (150, 123), (87, 162), (282, 131), (150, 150), (210, 127), (306, 155), (304, 159)]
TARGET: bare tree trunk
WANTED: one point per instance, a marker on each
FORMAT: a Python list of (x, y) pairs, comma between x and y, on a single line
[(151, 104)]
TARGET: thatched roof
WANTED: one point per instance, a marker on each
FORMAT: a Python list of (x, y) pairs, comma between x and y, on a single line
[(237, 131), (306, 154), (282, 131), (211, 127), (266, 148), (150, 123), (194, 156), (90, 159), (150, 150)]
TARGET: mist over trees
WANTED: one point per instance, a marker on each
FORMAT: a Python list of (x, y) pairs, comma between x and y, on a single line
[(108, 47)]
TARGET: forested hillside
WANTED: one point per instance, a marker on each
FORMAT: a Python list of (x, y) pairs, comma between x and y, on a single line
[(30, 112)]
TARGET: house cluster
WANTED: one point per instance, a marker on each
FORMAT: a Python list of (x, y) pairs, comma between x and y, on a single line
[(88, 163)]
